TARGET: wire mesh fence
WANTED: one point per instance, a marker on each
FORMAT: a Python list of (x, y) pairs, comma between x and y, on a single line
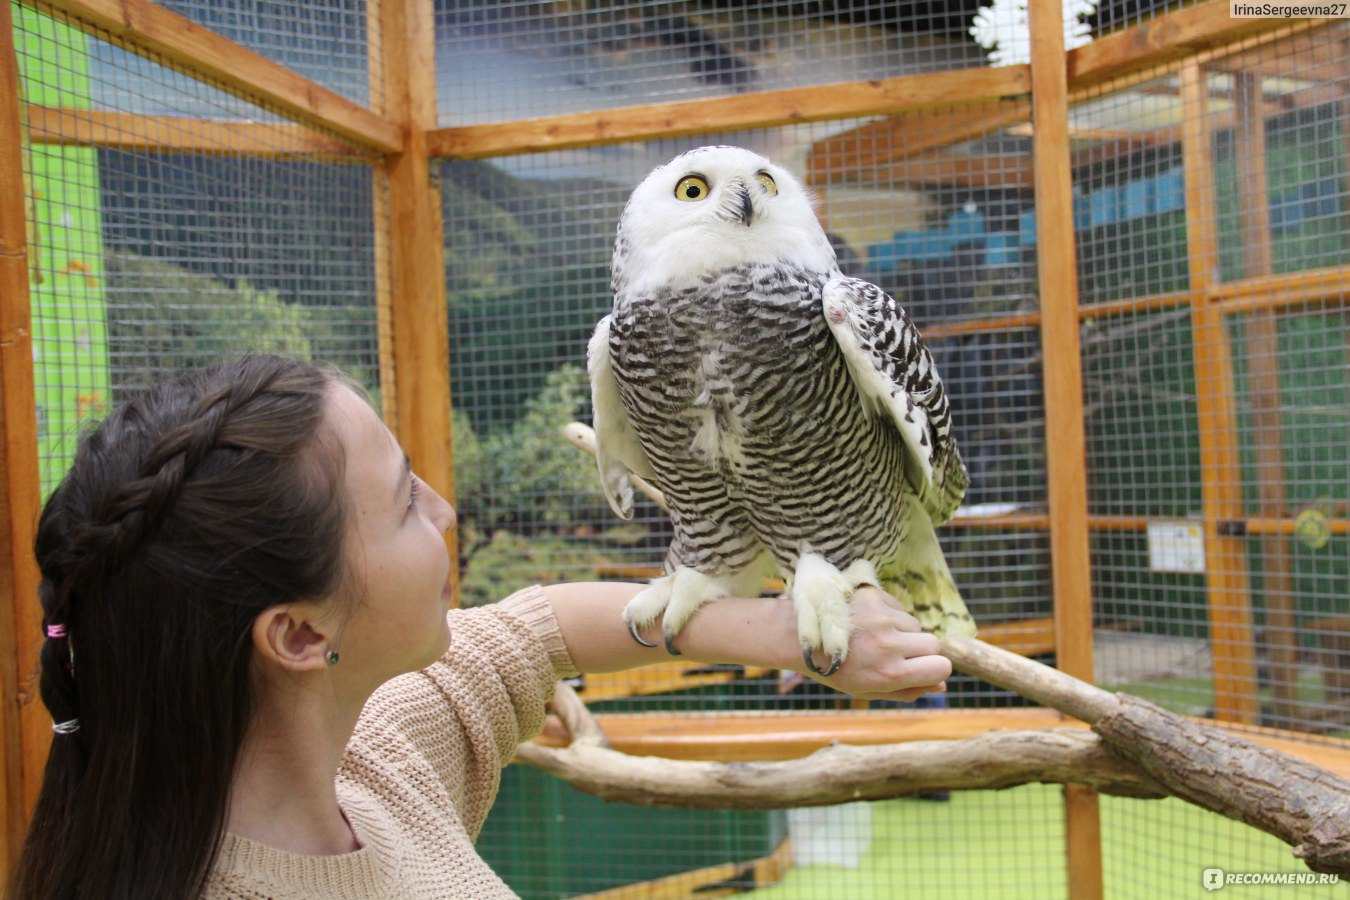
[(171, 222), (1216, 379)]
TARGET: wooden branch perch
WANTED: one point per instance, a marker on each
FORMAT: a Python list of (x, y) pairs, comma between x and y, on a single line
[(1301, 804), (1138, 750), (841, 773)]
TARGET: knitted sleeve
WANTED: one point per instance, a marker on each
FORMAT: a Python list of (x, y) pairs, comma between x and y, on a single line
[(459, 720)]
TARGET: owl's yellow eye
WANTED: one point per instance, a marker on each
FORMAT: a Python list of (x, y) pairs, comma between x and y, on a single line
[(770, 185), (691, 188)]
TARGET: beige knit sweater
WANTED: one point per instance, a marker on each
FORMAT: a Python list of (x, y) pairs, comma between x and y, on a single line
[(423, 767)]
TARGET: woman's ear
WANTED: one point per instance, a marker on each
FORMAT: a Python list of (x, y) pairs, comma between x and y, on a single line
[(290, 637)]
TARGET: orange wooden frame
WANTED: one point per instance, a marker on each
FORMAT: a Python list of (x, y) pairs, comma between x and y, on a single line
[(398, 136)]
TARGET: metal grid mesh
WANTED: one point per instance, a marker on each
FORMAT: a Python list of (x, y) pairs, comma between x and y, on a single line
[(529, 243), (170, 224), (327, 43), (150, 257), (529, 246), (1163, 848), (1216, 390), (500, 61), (1007, 844)]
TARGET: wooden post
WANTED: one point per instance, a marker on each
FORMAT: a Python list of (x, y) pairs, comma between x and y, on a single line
[(418, 325), (1263, 367), (379, 202), (25, 730), (1065, 443), (1232, 642)]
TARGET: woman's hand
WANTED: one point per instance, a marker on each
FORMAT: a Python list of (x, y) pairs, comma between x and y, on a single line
[(890, 657)]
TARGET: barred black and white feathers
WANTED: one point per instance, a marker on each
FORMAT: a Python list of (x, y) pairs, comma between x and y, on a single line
[(792, 416)]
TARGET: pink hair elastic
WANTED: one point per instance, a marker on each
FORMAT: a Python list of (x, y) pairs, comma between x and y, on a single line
[(56, 631)]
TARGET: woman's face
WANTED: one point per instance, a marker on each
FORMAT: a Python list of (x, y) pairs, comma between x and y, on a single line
[(397, 561)]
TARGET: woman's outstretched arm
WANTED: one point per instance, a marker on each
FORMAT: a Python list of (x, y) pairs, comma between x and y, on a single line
[(889, 656)]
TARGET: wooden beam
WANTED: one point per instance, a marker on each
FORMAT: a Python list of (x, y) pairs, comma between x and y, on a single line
[(1320, 288), (662, 678), (1065, 440), (721, 880), (168, 38), (1253, 525), (1315, 59), (25, 730), (380, 212), (1111, 148), (1323, 289), (1263, 365), (840, 157), (763, 109), (955, 170), (1232, 637), (731, 737), (938, 330), (1166, 39), (135, 133), (418, 327), (1057, 272)]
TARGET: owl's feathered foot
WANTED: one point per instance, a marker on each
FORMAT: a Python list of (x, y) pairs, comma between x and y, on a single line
[(675, 598), (820, 594)]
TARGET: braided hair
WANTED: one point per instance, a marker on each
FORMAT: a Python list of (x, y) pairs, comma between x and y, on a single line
[(187, 512)]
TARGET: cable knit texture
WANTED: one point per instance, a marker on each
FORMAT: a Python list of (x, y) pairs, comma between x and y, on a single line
[(423, 767)]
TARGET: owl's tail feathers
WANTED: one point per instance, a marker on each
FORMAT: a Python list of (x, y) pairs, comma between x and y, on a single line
[(932, 598)]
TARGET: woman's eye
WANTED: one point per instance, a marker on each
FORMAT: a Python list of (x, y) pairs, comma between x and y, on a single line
[(691, 188), (412, 492), (767, 181)]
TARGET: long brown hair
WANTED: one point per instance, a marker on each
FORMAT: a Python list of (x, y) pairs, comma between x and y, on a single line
[(188, 511)]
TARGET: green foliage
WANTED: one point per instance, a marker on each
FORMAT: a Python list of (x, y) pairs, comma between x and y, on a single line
[(527, 477), (525, 495), (527, 276), (163, 318), (506, 562)]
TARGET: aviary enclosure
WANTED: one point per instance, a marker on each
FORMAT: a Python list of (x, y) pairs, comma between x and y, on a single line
[(1130, 256)]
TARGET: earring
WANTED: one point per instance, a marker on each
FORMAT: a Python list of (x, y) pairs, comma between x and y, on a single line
[(331, 658)]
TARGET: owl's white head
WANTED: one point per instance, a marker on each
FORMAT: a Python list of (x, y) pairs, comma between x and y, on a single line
[(711, 209)]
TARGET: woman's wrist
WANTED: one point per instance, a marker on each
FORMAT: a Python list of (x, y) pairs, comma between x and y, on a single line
[(748, 631)]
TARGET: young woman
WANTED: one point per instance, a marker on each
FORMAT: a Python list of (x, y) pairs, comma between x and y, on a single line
[(257, 688)]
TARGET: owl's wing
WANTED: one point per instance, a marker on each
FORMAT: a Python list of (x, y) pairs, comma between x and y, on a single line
[(618, 452), (896, 378)]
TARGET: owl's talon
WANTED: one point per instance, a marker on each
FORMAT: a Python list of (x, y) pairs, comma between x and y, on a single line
[(835, 662), (632, 629), (670, 645)]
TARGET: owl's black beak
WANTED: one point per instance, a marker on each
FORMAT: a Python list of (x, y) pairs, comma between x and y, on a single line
[(747, 208)]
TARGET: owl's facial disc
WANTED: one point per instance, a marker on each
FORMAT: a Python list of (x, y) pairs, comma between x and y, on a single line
[(711, 209)]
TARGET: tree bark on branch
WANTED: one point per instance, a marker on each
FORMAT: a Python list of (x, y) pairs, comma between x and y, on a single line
[(1135, 749)]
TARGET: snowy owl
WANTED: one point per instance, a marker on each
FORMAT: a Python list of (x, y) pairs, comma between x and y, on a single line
[(792, 416)]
